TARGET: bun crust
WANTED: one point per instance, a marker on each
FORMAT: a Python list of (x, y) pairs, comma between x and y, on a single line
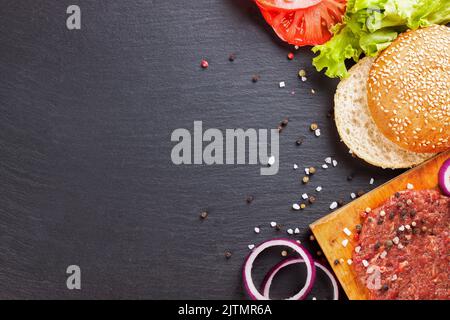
[(409, 90), (356, 126)]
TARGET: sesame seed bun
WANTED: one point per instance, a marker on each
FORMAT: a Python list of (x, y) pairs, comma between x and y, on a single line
[(357, 128), (409, 90)]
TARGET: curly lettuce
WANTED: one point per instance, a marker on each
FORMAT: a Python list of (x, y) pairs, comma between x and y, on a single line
[(370, 26)]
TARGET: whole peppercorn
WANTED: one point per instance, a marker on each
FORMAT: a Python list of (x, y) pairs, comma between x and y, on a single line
[(302, 73), (313, 126), (312, 199), (299, 141), (305, 179), (204, 64), (228, 254), (358, 228), (203, 214), (312, 170)]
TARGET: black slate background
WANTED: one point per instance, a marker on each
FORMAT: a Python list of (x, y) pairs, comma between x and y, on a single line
[(85, 171)]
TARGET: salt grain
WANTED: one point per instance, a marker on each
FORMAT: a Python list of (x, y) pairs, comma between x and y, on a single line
[(297, 231), (290, 231), (333, 205), (352, 195), (304, 196), (273, 224), (344, 242), (251, 246), (357, 249), (295, 166), (324, 166), (319, 188), (295, 206), (371, 181), (410, 186), (328, 160), (282, 84), (335, 163), (271, 161), (349, 262), (257, 230), (365, 263)]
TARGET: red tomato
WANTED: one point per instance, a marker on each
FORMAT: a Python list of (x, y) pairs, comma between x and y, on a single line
[(302, 22)]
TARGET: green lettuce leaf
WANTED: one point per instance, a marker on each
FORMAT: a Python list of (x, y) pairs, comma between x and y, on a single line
[(370, 26)]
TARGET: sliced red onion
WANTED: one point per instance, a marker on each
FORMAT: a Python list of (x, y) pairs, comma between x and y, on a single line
[(250, 287), (444, 177), (272, 273)]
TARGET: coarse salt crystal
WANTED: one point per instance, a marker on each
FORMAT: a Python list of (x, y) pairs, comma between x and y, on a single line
[(328, 160), (410, 186), (290, 231), (349, 261), (304, 196), (335, 163), (295, 166), (352, 195), (394, 277), (251, 246), (325, 166), (273, 224), (383, 254), (271, 161), (344, 242), (319, 188), (382, 213), (357, 249), (347, 232), (365, 263), (297, 231), (304, 79), (396, 240), (295, 206), (307, 170), (282, 84), (317, 132), (371, 181), (257, 230), (407, 227), (333, 205), (401, 228)]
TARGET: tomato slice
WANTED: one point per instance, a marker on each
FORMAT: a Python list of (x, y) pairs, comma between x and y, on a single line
[(302, 22)]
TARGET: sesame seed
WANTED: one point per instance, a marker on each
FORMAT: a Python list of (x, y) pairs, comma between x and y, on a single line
[(333, 205)]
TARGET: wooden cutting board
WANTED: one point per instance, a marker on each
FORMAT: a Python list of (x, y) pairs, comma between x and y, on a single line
[(329, 233)]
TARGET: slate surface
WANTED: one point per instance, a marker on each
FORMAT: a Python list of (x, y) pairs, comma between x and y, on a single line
[(86, 176)]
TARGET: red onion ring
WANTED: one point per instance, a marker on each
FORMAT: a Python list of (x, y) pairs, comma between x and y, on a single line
[(250, 287), (444, 177), (272, 273)]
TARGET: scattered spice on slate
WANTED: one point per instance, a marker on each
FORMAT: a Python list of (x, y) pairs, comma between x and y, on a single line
[(350, 177), (232, 57), (305, 179), (336, 262), (290, 56), (255, 78), (299, 141), (227, 254), (278, 227), (312, 199), (340, 202), (204, 64), (203, 214), (360, 193), (285, 122), (249, 199)]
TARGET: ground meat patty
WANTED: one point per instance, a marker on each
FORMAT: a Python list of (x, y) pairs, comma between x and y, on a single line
[(403, 250)]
